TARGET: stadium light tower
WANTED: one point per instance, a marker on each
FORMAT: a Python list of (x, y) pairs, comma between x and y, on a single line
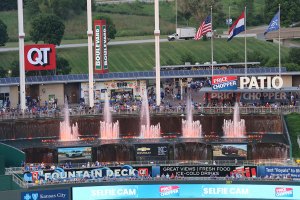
[(90, 52), (21, 55), (157, 51)]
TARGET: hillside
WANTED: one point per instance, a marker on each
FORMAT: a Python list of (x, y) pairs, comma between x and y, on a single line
[(140, 57)]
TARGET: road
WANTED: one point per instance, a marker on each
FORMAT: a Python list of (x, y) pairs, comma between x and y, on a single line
[(111, 43)]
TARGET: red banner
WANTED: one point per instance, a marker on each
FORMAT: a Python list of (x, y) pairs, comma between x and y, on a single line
[(100, 47), (40, 57)]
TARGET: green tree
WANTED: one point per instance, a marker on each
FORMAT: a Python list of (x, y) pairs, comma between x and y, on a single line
[(15, 72), (3, 33), (111, 27), (292, 67), (32, 7), (62, 66), (200, 9), (289, 9), (47, 28), (3, 72), (294, 56), (255, 56), (8, 5)]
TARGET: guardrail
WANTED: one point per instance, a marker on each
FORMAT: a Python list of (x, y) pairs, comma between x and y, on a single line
[(18, 180), (153, 110), (263, 162)]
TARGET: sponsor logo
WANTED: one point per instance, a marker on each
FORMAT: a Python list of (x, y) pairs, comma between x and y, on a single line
[(40, 57), (162, 151), (143, 149), (224, 82), (172, 190), (261, 82), (143, 172), (46, 195), (283, 192)]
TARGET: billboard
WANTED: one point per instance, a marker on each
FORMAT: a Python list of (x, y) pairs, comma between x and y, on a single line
[(89, 173), (230, 151), (292, 172), (151, 150), (224, 82), (60, 194), (74, 154), (100, 47), (40, 57), (206, 171), (187, 191)]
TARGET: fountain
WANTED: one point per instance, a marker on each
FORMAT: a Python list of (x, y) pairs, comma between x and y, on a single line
[(66, 131), (108, 129), (235, 128), (147, 131), (190, 128)]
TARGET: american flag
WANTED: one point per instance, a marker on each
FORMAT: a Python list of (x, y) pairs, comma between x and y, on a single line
[(204, 28)]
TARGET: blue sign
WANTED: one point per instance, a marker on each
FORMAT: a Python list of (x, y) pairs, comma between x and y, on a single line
[(174, 191), (292, 172), (46, 195), (224, 82)]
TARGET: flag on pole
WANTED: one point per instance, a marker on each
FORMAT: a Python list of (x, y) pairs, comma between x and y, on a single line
[(204, 28), (274, 24), (237, 27)]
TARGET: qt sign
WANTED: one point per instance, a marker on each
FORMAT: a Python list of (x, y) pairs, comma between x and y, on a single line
[(40, 57)]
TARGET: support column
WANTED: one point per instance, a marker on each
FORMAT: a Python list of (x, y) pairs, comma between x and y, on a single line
[(90, 53), (21, 56), (157, 51)]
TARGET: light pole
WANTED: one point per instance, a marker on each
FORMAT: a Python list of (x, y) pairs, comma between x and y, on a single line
[(90, 53), (157, 51), (21, 55)]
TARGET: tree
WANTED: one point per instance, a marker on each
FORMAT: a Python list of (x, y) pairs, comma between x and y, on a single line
[(289, 9), (3, 33), (47, 28), (294, 55), (32, 7), (110, 26), (3, 72), (15, 72), (62, 66), (200, 9), (8, 5)]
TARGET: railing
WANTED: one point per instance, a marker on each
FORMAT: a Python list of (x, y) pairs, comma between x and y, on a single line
[(154, 110), (263, 162), (18, 180)]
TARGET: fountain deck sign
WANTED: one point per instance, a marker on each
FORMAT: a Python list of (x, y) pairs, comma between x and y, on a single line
[(259, 82)]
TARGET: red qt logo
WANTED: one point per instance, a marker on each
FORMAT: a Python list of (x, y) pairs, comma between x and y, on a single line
[(40, 57)]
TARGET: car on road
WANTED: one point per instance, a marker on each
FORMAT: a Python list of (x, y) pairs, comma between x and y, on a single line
[(74, 154)]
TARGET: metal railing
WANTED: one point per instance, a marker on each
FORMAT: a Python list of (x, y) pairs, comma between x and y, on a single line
[(153, 110), (18, 180)]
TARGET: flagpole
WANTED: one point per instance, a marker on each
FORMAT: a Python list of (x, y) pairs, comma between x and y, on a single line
[(211, 43), (279, 59), (245, 41)]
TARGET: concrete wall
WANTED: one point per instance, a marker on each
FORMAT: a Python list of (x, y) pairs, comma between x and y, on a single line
[(55, 90), (287, 81), (14, 96)]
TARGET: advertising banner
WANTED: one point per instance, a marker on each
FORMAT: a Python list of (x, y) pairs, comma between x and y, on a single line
[(199, 191), (40, 57), (62, 194), (208, 171), (224, 82), (230, 151), (151, 150), (100, 47), (89, 173), (292, 172)]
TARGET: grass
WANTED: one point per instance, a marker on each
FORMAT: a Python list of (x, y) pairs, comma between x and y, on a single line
[(294, 131), (140, 57)]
